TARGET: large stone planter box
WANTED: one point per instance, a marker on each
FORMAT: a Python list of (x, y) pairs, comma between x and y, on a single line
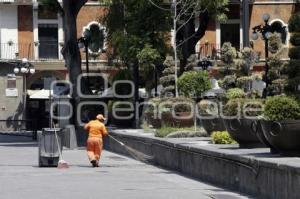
[(283, 136), (240, 131), (181, 119)]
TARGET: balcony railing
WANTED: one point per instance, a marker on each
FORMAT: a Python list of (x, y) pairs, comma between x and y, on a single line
[(209, 50), (31, 51)]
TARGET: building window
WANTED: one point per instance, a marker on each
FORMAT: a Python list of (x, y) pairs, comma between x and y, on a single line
[(98, 37), (280, 28), (48, 41), (230, 33)]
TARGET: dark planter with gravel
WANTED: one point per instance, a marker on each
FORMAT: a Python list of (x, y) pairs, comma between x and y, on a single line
[(240, 131), (211, 125), (284, 136)]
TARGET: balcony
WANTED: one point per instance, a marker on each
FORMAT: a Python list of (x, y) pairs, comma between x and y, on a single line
[(43, 51)]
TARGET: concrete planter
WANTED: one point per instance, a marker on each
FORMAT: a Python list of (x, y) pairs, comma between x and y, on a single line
[(240, 131), (155, 122), (182, 119), (211, 125), (256, 128), (283, 136)]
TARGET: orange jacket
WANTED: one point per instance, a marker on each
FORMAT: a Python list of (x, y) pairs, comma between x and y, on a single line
[(96, 128)]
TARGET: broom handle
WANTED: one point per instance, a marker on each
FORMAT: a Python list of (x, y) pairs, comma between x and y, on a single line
[(116, 140)]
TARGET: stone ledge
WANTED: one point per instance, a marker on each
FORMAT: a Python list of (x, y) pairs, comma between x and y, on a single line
[(251, 171)]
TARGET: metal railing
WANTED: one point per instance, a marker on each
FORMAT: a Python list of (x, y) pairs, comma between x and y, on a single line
[(26, 128), (16, 1), (209, 50)]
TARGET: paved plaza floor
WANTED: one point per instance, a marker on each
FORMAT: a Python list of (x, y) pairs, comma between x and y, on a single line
[(118, 177)]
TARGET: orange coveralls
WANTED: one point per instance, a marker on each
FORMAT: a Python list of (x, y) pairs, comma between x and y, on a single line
[(96, 131)]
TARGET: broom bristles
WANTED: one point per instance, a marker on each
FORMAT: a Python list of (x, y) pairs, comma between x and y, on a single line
[(62, 165), (139, 155)]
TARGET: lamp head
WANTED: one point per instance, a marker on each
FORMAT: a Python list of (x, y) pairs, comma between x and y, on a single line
[(24, 70), (254, 36), (24, 61), (16, 70), (266, 17), (32, 70)]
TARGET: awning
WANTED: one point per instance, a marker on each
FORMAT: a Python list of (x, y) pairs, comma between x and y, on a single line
[(39, 94)]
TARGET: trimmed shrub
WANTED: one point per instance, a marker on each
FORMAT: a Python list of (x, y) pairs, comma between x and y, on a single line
[(246, 107), (294, 23), (208, 108), (281, 108), (194, 83), (295, 39), (234, 93), (222, 137), (294, 52)]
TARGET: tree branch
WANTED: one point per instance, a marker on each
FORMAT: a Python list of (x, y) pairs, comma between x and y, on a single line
[(204, 20)]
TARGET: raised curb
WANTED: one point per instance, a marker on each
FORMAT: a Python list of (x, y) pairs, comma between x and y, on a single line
[(252, 171)]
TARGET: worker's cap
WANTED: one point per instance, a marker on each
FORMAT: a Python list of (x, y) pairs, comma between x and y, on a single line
[(100, 117)]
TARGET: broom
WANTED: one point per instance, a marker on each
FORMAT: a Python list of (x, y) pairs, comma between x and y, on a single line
[(134, 153), (62, 164)]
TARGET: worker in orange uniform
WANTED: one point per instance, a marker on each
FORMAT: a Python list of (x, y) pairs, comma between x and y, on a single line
[(96, 130)]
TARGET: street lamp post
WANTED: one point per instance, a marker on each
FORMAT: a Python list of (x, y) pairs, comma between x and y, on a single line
[(24, 67), (265, 32), (83, 42)]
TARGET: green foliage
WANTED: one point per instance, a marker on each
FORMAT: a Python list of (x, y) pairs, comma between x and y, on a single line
[(293, 69), (148, 58), (229, 81), (194, 83), (123, 74), (168, 78), (166, 131), (275, 42), (275, 62), (295, 39), (245, 107), (281, 108), (228, 53), (222, 137), (234, 93), (294, 53), (142, 26), (294, 23), (208, 108), (248, 58), (244, 82)]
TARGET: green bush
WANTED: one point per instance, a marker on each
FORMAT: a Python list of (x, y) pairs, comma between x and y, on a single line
[(294, 23), (228, 81), (294, 53), (165, 131), (222, 137), (194, 83), (295, 39), (281, 108), (246, 107), (208, 108), (275, 42), (234, 93), (228, 53)]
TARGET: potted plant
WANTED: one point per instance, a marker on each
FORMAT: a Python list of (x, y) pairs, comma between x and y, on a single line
[(239, 116), (177, 112), (281, 124), (210, 116), (151, 112)]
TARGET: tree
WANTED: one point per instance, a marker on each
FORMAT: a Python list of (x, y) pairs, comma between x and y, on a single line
[(69, 11), (188, 34)]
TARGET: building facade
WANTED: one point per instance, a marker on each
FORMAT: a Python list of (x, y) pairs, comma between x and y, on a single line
[(243, 16), (27, 30)]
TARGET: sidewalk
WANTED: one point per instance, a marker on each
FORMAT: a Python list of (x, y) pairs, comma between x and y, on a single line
[(253, 171), (118, 177)]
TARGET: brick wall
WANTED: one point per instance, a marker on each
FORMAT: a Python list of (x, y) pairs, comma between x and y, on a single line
[(86, 15)]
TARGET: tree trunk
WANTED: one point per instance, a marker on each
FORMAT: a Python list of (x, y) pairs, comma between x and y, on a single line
[(192, 37), (71, 51)]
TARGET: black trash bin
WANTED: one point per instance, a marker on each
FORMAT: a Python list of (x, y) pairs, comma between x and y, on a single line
[(48, 148)]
